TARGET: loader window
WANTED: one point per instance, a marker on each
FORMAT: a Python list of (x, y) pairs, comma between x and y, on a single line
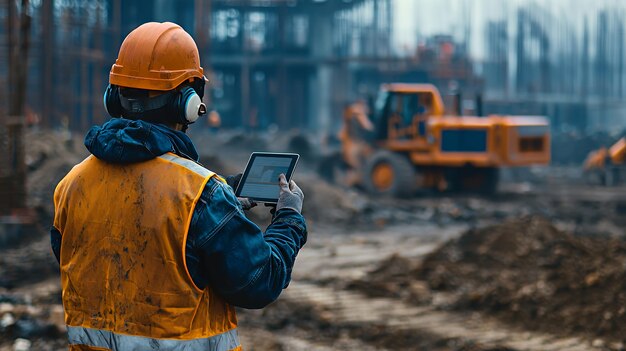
[(464, 140), (395, 105), (403, 108), (409, 108), (425, 103), (396, 119), (531, 144), (383, 108), (397, 112), (423, 109)]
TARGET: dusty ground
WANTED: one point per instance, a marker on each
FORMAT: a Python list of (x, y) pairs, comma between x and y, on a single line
[(380, 273)]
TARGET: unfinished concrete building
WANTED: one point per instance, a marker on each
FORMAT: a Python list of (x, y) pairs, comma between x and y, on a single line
[(285, 62), (293, 64)]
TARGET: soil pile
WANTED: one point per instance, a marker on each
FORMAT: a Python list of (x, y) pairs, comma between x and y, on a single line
[(524, 271), (528, 272), (327, 203), (394, 277), (49, 156)]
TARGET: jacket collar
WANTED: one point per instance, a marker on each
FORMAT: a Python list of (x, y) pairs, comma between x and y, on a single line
[(126, 141)]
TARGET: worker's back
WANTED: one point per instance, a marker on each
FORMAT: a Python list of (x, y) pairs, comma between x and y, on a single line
[(123, 266)]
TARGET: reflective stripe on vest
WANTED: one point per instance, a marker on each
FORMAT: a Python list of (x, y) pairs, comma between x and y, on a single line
[(190, 165), (120, 342)]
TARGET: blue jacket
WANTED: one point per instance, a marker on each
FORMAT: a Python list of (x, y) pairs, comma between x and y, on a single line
[(225, 250)]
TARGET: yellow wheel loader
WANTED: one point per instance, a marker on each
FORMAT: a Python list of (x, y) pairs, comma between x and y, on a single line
[(410, 142)]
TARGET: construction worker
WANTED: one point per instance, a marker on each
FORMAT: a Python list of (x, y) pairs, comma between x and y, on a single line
[(154, 249)]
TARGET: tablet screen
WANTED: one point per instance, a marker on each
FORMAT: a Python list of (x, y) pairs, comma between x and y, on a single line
[(260, 179)]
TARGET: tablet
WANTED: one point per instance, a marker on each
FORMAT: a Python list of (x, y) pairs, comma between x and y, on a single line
[(260, 179)]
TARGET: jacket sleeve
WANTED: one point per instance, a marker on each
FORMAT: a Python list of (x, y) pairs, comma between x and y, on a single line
[(245, 266)]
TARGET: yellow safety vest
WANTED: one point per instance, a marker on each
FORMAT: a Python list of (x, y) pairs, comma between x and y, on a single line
[(125, 281)]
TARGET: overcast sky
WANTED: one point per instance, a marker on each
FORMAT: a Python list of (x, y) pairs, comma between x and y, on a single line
[(423, 18)]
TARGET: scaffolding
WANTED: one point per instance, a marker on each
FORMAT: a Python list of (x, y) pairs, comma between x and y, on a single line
[(285, 63), (289, 64)]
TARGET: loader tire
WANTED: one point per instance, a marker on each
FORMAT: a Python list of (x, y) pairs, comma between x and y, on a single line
[(389, 174)]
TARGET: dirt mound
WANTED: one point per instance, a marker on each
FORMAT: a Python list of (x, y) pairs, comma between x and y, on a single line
[(524, 271), (326, 203), (528, 272), (394, 277), (49, 156)]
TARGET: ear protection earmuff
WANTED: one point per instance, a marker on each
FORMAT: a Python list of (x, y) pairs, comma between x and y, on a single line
[(188, 106), (183, 106), (112, 101)]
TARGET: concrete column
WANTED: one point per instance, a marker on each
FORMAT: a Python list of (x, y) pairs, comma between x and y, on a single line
[(320, 97), (321, 41)]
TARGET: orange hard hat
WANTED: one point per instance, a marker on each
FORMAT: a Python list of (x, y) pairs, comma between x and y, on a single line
[(156, 56)]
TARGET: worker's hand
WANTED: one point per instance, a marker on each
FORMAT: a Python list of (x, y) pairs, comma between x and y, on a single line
[(233, 180), (290, 195), (246, 203)]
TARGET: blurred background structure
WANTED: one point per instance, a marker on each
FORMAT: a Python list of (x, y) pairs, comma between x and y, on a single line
[(296, 63)]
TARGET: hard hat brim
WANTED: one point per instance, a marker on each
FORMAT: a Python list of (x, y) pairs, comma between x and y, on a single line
[(162, 81)]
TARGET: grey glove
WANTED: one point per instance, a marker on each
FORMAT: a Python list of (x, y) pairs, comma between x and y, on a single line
[(246, 203), (290, 195), (233, 180)]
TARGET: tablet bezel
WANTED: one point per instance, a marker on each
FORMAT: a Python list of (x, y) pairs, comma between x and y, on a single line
[(253, 156)]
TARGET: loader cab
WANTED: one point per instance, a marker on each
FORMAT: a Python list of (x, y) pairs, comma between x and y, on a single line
[(403, 110)]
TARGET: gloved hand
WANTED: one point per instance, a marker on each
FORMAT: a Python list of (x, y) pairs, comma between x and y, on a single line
[(233, 180), (246, 203), (290, 195)]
